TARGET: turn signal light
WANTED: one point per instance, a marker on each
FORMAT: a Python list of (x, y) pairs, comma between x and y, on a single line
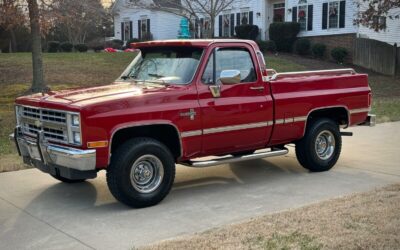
[(97, 144)]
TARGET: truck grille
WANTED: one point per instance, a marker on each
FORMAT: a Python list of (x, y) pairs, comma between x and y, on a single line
[(44, 115), (53, 123)]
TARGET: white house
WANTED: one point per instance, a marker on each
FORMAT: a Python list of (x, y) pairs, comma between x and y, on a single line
[(392, 33), (326, 21), (131, 21)]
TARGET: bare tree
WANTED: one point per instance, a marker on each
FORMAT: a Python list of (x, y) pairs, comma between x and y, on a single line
[(38, 84), (208, 9), (11, 17), (77, 18), (372, 11), (13, 14)]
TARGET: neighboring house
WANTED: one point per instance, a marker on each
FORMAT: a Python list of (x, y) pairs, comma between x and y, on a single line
[(131, 21), (326, 21), (392, 33)]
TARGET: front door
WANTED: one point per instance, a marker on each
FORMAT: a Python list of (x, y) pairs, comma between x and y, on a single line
[(279, 12), (241, 118)]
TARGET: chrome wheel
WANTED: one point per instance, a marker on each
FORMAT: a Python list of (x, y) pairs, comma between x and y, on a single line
[(325, 145), (147, 173)]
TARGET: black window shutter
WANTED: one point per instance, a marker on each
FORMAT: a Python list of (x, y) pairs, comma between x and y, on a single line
[(122, 32), (196, 28), (220, 26), (294, 14), (140, 29), (232, 23), (131, 29), (201, 27), (342, 14), (310, 17), (324, 16), (237, 19), (148, 26), (251, 17)]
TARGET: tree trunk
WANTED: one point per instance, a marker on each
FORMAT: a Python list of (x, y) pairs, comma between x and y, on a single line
[(212, 29), (38, 84), (13, 41)]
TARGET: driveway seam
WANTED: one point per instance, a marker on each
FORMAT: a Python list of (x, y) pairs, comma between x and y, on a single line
[(55, 228), (377, 172)]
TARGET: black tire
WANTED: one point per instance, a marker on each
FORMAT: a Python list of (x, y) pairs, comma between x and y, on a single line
[(248, 152), (66, 180), (124, 184), (307, 150)]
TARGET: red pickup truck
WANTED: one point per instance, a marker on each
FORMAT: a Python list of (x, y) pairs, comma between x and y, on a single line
[(181, 100)]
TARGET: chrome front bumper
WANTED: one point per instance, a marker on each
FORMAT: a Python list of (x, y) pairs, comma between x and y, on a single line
[(47, 154)]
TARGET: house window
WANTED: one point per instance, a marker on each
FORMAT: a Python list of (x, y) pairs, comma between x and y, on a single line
[(333, 14), (379, 21), (127, 30), (205, 27), (302, 16), (226, 25), (144, 28), (144, 25), (279, 12), (244, 17)]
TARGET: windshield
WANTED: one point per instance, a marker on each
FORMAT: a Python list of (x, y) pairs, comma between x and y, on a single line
[(173, 65)]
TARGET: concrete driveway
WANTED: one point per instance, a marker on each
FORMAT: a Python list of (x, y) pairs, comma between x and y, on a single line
[(37, 212)]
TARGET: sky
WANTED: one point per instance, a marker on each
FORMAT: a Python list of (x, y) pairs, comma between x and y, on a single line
[(107, 2)]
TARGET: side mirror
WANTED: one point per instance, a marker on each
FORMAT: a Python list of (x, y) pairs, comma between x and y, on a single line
[(230, 77)]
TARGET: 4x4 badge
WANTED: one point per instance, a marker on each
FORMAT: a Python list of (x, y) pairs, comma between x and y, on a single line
[(191, 114)]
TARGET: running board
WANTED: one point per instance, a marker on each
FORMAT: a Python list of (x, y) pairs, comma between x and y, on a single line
[(231, 159)]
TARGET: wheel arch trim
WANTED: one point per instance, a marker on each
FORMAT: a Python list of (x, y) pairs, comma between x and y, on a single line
[(144, 124), (327, 108)]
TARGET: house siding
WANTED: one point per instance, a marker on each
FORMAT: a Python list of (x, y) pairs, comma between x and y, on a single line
[(163, 25), (351, 10), (166, 25), (259, 14), (391, 35)]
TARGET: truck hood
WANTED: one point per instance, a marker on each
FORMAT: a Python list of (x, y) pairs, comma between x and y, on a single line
[(86, 96)]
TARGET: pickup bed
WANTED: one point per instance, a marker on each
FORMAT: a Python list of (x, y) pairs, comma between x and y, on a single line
[(181, 100)]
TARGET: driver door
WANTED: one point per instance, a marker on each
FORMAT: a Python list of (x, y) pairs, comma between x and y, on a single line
[(241, 117)]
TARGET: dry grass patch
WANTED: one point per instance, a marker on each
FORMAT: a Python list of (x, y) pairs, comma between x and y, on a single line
[(362, 221), (11, 162)]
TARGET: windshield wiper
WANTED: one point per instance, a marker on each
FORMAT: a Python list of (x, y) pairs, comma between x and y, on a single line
[(155, 75), (137, 81), (159, 82)]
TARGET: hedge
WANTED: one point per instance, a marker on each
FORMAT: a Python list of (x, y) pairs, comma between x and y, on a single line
[(247, 31), (284, 34)]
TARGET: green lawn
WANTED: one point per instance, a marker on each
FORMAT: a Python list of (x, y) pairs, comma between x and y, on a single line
[(62, 70), (66, 70), (282, 65)]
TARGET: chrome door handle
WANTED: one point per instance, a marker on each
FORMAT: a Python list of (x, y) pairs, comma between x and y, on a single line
[(257, 88)]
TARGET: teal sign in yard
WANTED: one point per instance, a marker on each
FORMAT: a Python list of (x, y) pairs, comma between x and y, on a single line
[(184, 32)]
